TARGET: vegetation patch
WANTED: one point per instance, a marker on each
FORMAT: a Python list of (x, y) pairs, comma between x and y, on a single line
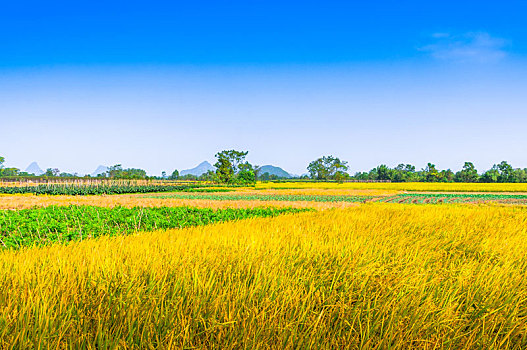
[(63, 224), (410, 198), (272, 197), (85, 190), (427, 198)]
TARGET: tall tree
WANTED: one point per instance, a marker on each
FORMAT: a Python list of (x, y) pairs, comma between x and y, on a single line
[(328, 168), (384, 173), (174, 175), (468, 173), (491, 175), (431, 173), (232, 167), (506, 172)]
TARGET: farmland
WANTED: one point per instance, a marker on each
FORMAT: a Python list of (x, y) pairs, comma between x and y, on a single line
[(278, 265), (199, 175), (399, 198), (63, 224), (401, 186), (97, 189)]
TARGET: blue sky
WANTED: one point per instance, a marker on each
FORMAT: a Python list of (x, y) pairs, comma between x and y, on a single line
[(164, 85)]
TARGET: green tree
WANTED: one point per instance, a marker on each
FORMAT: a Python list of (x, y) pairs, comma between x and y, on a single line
[(403, 173), (491, 175), (446, 176), (506, 172), (384, 173), (361, 175), (208, 176), (317, 170), (229, 163), (10, 172), (246, 177), (468, 173), (52, 172), (133, 173), (174, 175), (188, 177), (328, 168), (520, 175), (115, 171), (257, 170), (431, 173), (67, 175)]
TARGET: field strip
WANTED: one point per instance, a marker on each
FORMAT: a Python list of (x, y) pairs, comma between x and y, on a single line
[(63, 224), (389, 275), (269, 197), (316, 192), (130, 201), (400, 186), (415, 198)]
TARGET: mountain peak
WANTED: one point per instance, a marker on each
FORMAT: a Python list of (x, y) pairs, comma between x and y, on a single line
[(274, 170), (101, 169), (33, 168), (201, 169)]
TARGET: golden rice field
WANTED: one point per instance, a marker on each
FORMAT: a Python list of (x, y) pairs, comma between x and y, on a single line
[(372, 276), (400, 186), (318, 191), (348, 275)]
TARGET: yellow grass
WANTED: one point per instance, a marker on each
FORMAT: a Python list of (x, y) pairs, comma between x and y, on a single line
[(401, 186), (27, 201), (317, 192), (374, 276)]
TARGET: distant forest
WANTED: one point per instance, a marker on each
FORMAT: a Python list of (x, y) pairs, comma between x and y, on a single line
[(231, 167)]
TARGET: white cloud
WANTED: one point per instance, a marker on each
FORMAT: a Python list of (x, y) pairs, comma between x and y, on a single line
[(469, 47)]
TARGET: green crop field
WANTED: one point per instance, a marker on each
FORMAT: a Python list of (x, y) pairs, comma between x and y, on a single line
[(62, 224)]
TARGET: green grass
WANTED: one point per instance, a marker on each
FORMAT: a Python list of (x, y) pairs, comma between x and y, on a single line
[(61, 224)]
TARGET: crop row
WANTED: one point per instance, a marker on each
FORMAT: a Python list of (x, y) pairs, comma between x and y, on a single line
[(401, 186), (416, 198), (39, 226), (83, 190), (272, 197), (427, 198)]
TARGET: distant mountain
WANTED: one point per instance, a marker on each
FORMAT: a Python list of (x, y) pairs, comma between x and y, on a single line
[(201, 169), (101, 169), (33, 168), (274, 170)]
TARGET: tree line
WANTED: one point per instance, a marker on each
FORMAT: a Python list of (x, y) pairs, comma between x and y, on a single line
[(231, 167), (332, 168)]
